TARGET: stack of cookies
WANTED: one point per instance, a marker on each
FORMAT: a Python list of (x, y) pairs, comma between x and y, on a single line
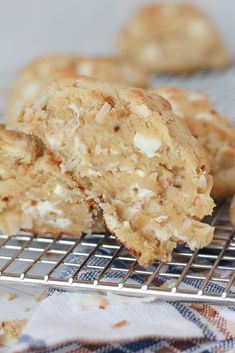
[(96, 148)]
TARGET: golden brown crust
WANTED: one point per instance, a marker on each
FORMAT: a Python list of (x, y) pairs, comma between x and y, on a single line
[(214, 131), (176, 38)]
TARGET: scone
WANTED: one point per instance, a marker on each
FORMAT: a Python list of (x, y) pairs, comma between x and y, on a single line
[(232, 211), (30, 82), (214, 131), (174, 38), (35, 195), (133, 158)]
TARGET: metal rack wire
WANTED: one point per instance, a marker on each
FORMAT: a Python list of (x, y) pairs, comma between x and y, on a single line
[(98, 262)]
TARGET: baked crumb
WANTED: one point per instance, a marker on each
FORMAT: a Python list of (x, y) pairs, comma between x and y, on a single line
[(103, 303), (9, 296), (120, 324)]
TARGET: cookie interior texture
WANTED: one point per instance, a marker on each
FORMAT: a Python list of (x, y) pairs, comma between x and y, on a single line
[(171, 38), (133, 157), (35, 195), (31, 81), (214, 131)]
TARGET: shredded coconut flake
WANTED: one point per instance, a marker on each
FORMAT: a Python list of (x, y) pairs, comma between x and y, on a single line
[(141, 173), (59, 190)]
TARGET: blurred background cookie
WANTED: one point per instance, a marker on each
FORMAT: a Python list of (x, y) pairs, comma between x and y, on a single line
[(215, 132), (174, 38)]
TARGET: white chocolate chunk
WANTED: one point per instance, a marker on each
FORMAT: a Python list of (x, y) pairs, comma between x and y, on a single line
[(147, 145), (42, 209)]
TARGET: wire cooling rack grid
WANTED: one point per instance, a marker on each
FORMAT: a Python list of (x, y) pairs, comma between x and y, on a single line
[(97, 261)]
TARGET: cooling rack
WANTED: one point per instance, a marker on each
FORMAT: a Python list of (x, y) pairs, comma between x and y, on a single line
[(98, 262)]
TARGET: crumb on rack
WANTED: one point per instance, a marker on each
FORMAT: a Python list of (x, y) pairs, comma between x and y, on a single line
[(103, 303), (11, 329), (9, 296), (120, 324), (197, 306), (40, 296), (27, 309)]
